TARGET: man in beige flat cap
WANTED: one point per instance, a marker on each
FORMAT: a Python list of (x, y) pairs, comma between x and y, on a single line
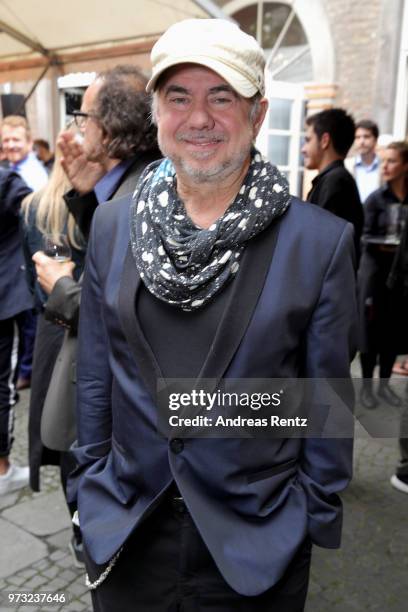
[(210, 271)]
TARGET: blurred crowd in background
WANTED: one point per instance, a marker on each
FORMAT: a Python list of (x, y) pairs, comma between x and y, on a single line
[(48, 194)]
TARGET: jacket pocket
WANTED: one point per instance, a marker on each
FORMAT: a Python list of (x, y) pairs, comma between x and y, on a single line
[(273, 471)]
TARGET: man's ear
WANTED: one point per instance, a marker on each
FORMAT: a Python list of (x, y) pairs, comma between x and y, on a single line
[(325, 141), (105, 138)]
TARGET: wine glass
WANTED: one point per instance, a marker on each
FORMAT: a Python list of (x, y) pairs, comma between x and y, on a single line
[(57, 247)]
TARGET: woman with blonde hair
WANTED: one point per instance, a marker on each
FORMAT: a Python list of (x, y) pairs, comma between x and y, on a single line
[(45, 214)]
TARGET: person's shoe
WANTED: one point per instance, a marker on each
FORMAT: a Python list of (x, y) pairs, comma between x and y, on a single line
[(77, 551), (16, 478), (389, 396), (23, 383), (400, 483), (368, 399)]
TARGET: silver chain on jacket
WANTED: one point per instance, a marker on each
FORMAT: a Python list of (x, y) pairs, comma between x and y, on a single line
[(93, 585)]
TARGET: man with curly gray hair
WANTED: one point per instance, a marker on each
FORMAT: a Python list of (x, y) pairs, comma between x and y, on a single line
[(116, 141)]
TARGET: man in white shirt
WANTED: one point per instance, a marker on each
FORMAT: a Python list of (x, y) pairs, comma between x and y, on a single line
[(365, 166), (17, 148)]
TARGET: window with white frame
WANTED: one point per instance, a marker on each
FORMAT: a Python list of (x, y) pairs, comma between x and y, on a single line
[(71, 89), (280, 137), (278, 30)]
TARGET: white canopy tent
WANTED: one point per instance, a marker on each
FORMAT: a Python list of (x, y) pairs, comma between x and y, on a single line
[(42, 40), (35, 34)]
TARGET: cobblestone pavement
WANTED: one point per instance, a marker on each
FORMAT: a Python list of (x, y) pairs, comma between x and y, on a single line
[(368, 573), (36, 530)]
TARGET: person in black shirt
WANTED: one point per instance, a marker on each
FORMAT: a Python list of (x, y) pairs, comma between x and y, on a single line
[(329, 136), (398, 281), (381, 309)]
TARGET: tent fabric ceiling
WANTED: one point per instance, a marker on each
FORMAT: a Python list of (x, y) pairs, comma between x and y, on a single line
[(61, 27)]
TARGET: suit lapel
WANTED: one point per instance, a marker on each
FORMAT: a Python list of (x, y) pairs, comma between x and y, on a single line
[(129, 285), (131, 176), (247, 287)]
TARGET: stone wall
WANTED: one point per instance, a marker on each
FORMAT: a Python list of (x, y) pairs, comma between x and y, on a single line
[(366, 37)]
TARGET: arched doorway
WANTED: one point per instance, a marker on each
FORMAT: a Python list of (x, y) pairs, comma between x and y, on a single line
[(278, 30), (297, 43), (308, 27)]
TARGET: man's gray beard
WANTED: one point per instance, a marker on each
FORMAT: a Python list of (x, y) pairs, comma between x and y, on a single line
[(213, 174)]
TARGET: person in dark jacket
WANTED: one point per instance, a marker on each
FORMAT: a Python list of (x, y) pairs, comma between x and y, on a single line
[(45, 213), (15, 302), (329, 136), (194, 308), (17, 148), (381, 313), (398, 282)]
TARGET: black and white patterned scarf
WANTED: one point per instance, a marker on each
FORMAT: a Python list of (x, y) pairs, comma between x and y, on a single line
[(183, 264)]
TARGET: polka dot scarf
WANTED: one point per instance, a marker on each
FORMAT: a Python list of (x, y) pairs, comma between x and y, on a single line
[(183, 264)]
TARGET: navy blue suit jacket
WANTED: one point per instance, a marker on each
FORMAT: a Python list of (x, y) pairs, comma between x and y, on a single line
[(15, 296), (253, 500)]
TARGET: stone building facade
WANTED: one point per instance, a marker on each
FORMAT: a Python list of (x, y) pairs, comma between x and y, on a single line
[(354, 51), (366, 38), (335, 53)]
